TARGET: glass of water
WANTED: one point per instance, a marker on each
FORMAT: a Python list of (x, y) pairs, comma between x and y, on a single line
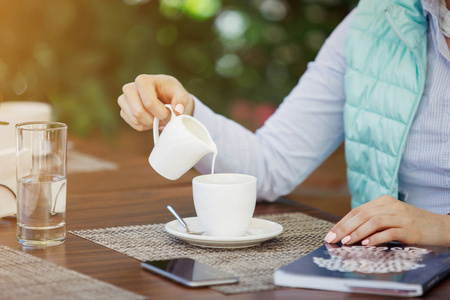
[(41, 183)]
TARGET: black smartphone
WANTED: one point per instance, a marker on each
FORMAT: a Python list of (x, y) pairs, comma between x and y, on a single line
[(189, 272)]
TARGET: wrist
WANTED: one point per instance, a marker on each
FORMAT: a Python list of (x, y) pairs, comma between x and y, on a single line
[(445, 230)]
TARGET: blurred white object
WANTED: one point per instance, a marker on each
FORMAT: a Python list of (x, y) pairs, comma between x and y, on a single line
[(8, 185), (20, 111), (14, 112)]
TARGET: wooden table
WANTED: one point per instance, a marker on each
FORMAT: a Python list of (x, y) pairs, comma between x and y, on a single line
[(134, 195)]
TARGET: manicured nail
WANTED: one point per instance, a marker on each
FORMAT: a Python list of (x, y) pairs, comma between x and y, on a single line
[(346, 239), (365, 242), (179, 108), (330, 237)]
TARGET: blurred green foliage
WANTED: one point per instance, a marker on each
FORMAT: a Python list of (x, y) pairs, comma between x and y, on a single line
[(77, 54)]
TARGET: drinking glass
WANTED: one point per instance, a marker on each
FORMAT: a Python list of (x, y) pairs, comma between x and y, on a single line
[(41, 153)]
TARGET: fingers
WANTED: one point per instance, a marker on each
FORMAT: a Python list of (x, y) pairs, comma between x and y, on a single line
[(132, 110), (385, 236), (135, 104), (144, 99), (179, 102), (364, 221), (360, 225), (379, 222), (381, 201), (165, 90), (337, 233), (147, 89), (182, 102), (130, 117)]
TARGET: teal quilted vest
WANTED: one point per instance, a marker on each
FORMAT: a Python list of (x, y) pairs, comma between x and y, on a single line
[(386, 51)]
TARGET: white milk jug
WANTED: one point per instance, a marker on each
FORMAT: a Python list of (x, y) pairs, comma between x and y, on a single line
[(182, 143)]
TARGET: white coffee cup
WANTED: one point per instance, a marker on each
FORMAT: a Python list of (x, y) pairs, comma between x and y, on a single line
[(224, 203), (182, 143)]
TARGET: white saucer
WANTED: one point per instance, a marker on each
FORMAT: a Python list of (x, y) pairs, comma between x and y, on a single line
[(259, 231)]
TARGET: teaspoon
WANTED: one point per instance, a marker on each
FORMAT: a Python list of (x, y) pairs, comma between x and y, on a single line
[(172, 210)]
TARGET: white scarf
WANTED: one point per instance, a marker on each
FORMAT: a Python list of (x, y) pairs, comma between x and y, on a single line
[(444, 18)]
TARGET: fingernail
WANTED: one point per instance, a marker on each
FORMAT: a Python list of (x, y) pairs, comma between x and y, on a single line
[(161, 128), (346, 239), (365, 242), (330, 237), (179, 108)]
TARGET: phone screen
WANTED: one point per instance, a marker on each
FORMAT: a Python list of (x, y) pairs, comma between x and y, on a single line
[(189, 272)]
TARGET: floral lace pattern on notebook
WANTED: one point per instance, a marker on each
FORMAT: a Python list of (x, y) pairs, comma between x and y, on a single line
[(372, 259)]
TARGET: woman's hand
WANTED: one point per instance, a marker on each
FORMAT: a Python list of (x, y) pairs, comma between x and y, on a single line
[(144, 99), (387, 219)]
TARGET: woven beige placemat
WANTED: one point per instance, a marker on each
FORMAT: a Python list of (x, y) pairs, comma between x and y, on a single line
[(254, 266), (23, 276)]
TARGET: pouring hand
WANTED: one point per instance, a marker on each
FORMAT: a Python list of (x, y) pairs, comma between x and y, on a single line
[(144, 99)]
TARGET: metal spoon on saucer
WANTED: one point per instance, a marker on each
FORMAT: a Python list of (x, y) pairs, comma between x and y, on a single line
[(172, 210)]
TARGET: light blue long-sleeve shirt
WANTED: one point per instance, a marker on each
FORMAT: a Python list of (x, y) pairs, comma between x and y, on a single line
[(308, 126)]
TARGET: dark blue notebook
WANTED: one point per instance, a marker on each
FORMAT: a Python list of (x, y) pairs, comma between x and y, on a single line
[(388, 269)]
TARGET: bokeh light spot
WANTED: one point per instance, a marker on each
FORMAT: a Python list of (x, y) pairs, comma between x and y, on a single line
[(202, 9), (172, 9), (20, 85), (135, 2), (167, 35), (231, 24), (137, 34), (277, 73), (287, 53), (315, 39), (273, 10), (315, 14), (274, 34), (44, 55), (193, 58), (249, 78), (229, 66)]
